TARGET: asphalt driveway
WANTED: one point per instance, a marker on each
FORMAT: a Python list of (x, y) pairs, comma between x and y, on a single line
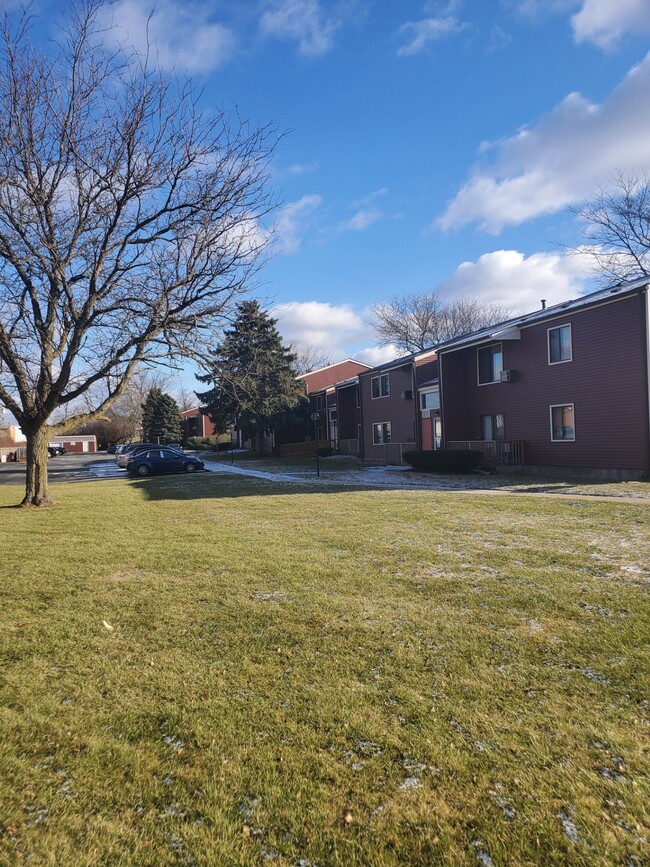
[(67, 468)]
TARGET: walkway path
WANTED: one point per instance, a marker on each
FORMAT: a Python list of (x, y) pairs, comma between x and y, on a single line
[(403, 478)]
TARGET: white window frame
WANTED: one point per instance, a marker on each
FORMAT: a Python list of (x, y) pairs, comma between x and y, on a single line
[(548, 343), (562, 406), (478, 364), (380, 379), (423, 395), (381, 441)]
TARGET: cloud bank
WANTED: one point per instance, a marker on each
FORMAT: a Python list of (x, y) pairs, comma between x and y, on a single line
[(559, 162)]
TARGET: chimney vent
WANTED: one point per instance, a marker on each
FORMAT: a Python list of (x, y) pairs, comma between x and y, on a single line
[(543, 303)]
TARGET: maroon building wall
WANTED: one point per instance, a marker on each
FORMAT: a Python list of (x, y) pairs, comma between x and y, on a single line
[(327, 376), (349, 416), (394, 409), (426, 370), (606, 381)]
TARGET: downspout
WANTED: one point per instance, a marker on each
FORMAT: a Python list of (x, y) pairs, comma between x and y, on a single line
[(442, 405), (647, 348), (362, 438), (416, 403)]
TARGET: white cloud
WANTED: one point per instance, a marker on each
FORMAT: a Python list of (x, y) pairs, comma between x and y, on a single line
[(367, 200), (509, 278), (604, 22), (303, 21), (377, 355), (541, 170), (177, 34), (326, 326), (361, 220), (293, 220), (427, 30)]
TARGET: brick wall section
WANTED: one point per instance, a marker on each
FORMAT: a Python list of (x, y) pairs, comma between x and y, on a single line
[(328, 376)]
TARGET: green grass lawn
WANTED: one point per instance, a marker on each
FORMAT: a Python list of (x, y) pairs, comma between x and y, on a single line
[(322, 677)]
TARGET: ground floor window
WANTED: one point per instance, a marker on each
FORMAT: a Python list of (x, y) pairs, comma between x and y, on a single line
[(563, 423), (381, 433), (492, 427)]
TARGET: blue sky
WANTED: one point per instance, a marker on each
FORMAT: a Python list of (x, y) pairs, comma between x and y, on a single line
[(428, 144)]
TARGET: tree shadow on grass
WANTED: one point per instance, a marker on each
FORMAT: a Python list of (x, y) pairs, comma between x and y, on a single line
[(202, 486), (216, 485)]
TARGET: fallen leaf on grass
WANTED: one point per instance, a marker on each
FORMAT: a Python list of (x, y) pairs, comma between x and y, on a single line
[(108, 626)]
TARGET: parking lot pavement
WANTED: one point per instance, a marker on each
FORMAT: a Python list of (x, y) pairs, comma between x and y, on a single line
[(67, 468)]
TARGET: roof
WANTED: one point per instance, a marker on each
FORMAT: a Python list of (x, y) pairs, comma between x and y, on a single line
[(404, 359), (335, 364), (509, 327)]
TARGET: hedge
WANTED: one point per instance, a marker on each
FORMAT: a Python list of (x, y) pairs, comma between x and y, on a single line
[(444, 460)]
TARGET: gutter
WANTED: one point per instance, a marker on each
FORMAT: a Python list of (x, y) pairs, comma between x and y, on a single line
[(647, 347)]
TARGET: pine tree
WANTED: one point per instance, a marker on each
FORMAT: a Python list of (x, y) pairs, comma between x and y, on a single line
[(253, 376), (161, 418)]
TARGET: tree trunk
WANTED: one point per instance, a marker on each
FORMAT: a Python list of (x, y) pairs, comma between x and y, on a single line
[(36, 487)]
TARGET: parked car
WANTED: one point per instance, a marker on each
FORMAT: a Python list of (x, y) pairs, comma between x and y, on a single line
[(112, 449), (162, 460), (125, 451), (54, 450)]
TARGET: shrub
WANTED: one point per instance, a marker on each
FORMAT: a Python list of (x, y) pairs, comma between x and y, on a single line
[(444, 460)]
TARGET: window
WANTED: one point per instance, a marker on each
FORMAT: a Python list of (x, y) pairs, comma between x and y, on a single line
[(563, 423), (380, 386), (492, 427), (381, 433), (559, 344), (490, 364), (357, 397), (319, 402), (430, 399)]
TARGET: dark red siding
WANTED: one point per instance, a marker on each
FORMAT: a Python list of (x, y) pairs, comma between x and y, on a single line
[(328, 376), (349, 412), (606, 381), (396, 409)]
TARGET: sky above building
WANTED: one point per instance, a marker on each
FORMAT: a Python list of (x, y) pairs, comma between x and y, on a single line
[(424, 145)]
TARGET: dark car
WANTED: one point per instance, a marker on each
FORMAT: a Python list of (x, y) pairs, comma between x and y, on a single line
[(162, 460), (124, 452)]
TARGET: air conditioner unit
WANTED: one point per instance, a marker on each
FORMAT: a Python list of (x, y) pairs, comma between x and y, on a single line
[(506, 375), (407, 395)]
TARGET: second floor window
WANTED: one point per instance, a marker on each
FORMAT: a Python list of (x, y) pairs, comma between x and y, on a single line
[(490, 364), (380, 386), (559, 344)]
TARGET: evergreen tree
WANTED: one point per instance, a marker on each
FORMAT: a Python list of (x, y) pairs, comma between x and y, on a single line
[(161, 418), (253, 376)]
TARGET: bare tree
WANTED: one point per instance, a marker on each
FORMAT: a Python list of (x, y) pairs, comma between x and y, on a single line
[(185, 397), (129, 221), (308, 358), (420, 320), (617, 229)]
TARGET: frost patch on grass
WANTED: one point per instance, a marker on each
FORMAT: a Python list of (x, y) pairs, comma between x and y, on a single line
[(269, 596), (506, 807), (482, 856), (569, 825), (410, 783)]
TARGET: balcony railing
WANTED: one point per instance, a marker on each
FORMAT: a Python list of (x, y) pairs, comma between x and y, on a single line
[(496, 453)]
